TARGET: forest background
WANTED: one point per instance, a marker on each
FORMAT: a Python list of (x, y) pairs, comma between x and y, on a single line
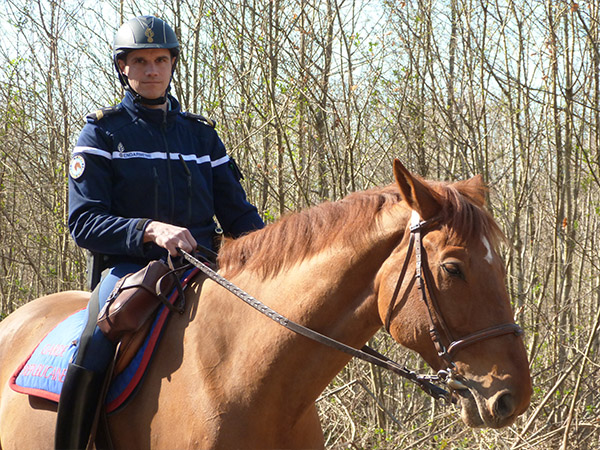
[(315, 98)]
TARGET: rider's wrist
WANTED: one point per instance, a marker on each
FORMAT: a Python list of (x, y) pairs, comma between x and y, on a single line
[(142, 225)]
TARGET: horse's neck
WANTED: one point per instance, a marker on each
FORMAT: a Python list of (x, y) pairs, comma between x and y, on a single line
[(330, 285), (332, 292)]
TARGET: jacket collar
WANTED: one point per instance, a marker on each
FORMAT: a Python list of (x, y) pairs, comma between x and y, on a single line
[(154, 116)]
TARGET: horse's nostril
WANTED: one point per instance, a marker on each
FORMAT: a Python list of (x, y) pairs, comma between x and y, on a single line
[(503, 406)]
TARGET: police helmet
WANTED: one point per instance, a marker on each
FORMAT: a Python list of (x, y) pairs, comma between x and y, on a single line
[(143, 32)]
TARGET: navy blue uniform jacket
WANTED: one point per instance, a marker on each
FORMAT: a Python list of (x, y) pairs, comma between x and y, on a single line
[(136, 164)]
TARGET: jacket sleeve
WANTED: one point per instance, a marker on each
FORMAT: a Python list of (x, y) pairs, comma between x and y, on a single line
[(90, 222), (236, 215)]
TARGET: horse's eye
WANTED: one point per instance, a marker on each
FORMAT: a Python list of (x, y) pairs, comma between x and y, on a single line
[(452, 269)]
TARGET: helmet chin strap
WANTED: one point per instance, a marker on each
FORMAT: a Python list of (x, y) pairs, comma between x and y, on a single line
[(137, 98)]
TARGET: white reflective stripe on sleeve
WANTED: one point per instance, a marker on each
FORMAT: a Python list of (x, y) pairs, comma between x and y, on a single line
[(198, 160), (92, 151), (220, 161), (160, 155)]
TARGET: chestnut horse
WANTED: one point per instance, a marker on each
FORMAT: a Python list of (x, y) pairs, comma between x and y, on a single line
[(227, 377)]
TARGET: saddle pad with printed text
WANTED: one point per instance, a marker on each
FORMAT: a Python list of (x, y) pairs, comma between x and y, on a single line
[(42, 374)]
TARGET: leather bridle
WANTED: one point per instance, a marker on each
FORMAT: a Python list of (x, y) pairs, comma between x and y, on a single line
[(449, 376), (424, 283)]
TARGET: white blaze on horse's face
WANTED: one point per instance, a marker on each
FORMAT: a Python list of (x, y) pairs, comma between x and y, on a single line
[(489, 256)]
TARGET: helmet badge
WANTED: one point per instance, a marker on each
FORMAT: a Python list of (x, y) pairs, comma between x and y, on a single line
[(149, 34)]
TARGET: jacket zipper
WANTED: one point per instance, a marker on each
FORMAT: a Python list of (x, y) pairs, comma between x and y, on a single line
[(188, 175), (170, 188), (156, 192)]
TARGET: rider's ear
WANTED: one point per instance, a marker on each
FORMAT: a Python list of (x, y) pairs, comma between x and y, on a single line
[(419, 196)]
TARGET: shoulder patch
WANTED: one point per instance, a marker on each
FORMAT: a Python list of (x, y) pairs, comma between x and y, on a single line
[(205, 120), (100, 113), (77, 166)]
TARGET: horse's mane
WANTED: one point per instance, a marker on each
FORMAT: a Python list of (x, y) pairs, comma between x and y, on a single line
[(302, 234), (299, 235)]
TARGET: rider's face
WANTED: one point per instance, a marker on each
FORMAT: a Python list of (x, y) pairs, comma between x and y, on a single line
[(148, 71)]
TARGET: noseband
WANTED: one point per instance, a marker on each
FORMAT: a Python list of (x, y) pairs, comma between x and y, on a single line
[(424, 283)]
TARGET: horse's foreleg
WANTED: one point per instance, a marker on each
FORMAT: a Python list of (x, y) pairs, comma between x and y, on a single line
[(307, 433)]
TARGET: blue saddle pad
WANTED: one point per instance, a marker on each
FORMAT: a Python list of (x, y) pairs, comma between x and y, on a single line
[(42, 374)]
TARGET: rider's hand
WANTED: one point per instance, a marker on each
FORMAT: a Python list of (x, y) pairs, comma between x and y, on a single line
[(169, 237)]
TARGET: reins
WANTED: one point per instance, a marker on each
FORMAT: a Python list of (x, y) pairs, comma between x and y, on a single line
[(450, 376), (425, 382)]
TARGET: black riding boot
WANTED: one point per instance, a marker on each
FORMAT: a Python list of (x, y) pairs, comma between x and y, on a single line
[(77, 407)]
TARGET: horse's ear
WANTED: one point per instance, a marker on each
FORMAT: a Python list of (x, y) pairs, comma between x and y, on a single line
[(415, 192), (475, 189)]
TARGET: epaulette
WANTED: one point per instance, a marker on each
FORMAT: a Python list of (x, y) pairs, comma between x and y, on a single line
[(206, 121), (99, 114)]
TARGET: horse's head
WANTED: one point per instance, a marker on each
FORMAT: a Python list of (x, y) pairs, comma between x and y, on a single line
[(462, 300)]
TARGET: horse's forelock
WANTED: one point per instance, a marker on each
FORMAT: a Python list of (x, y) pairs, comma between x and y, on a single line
[(465, 216)]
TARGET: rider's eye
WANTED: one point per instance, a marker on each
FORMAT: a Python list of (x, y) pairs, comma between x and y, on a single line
[(452, 269)]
